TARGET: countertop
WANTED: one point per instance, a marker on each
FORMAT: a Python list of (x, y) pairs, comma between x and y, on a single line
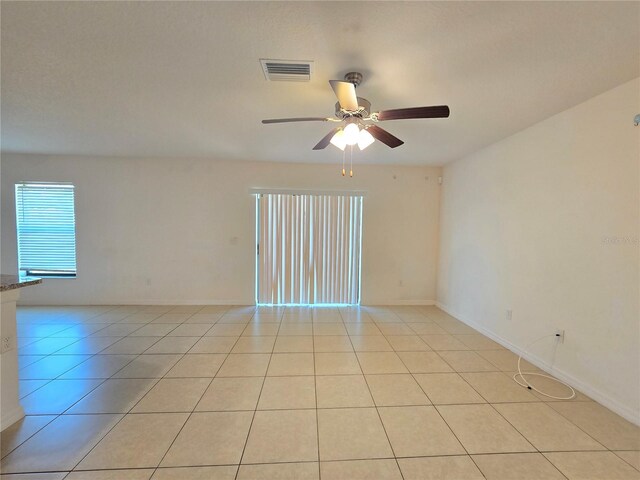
[(11, 282)]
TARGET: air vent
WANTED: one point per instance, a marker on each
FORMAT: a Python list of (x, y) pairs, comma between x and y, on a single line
[(286, 70)]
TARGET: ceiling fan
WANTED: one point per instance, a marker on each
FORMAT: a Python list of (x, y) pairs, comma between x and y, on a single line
[(354, 113)]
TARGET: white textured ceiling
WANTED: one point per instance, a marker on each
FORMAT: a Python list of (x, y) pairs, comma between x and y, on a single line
[(184, 79)]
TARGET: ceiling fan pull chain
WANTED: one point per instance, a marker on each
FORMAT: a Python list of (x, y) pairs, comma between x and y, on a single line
[(351, 167), (343, 155)]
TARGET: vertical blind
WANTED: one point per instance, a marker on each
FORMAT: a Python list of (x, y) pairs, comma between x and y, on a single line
[(309, 249), (46, 229)]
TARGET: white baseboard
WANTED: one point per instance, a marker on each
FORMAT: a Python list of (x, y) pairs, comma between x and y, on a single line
[(600, 397), (193, 302), (243, 303), (9, 418), (145, 302), (378, 303)]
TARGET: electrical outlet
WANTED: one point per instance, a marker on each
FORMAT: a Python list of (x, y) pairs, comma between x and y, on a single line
[(6, 343), (560, 336), (509, 314)]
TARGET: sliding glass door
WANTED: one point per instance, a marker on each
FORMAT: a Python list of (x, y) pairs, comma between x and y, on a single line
[(309, 249)]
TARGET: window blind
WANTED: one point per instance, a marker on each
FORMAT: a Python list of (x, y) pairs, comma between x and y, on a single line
[(46, 229), (309, 249)]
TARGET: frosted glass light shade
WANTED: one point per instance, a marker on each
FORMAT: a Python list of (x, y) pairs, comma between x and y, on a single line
[(339, 140), (351, 133), (364, 139)]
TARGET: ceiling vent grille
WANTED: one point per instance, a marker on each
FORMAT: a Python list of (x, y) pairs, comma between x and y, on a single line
[(286, 70)]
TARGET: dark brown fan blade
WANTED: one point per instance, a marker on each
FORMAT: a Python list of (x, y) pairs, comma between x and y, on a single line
[(326, 140), (346, 93), (384, 136), (302, 119), (438, 111)]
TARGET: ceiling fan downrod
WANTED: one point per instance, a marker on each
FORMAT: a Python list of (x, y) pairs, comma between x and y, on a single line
[(353, 77)]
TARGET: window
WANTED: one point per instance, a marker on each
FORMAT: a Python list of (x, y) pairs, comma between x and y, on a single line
[(309, 249), (46, 229)]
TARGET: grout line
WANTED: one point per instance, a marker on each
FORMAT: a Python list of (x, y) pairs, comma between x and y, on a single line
[(440, 414), (158, 379), (378, 411), (55, 416), (315, 391), (378, 322), (300, 461), (264, 379), (126, 413), (195, 405)]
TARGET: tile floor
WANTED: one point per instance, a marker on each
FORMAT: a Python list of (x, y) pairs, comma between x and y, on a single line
[(217, 392)]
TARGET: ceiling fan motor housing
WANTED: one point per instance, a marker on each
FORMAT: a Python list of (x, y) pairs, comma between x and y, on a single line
[(364, 109), (353, 77)]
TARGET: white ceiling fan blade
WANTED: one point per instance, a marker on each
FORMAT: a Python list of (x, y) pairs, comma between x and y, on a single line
[(346, 93)]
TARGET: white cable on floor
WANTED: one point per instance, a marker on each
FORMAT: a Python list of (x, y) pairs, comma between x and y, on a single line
[(531, 387)]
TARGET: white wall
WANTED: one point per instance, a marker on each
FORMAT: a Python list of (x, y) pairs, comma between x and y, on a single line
[(180, 231), (527, 223)]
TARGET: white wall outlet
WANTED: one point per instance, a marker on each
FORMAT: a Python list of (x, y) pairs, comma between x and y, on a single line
[(509, 314), (560, 336)]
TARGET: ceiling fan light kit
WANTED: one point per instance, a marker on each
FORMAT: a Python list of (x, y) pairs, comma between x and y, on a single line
[(351, 132), (339, 140), (354, 112), (351, 135), (365, 139)]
